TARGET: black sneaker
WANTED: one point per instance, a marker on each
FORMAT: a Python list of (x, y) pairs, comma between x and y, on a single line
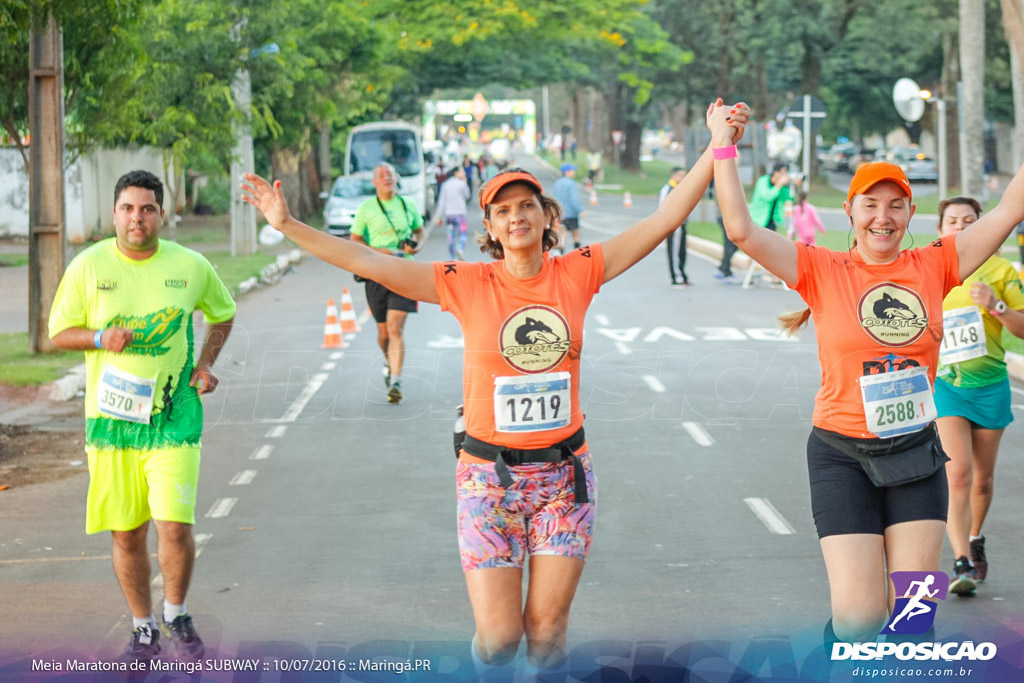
[(143, 646), (962, 583), (978, 559), (187, 644), (395, 393), (386, 371)]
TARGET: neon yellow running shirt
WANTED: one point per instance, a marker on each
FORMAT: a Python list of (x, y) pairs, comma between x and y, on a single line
[(156, 297), (999, 274)]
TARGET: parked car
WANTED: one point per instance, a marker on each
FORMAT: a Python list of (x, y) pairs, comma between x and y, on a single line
[(838, 158), (914, 163), (347, 193)]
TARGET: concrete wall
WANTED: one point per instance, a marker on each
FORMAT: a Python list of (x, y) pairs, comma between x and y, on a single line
[(88, 194)]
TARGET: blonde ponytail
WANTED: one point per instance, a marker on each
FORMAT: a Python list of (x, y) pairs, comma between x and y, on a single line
[(791, 322)]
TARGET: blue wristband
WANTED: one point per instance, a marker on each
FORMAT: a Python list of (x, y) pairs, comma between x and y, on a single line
[(97, 339)]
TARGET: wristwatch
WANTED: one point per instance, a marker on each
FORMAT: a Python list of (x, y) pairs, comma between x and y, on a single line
[(1000, 308)]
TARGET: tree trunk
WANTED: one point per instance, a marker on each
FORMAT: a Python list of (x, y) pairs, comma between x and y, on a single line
[(1013, 26), (950, 77), (630, 160), (725, 23), (972, 71), (284, 164)]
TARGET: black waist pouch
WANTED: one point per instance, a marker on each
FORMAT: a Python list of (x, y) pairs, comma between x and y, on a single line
[(894, 460)]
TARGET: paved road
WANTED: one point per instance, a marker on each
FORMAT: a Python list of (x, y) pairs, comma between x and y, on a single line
[(326, 516)]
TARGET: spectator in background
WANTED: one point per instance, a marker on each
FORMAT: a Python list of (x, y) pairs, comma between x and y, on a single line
[(451, 209), (568, 195), (677, 277), (593, 167), (805, 221), (771, 192)]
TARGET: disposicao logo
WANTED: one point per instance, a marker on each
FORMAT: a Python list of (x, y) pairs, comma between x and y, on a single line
[(914, 612)]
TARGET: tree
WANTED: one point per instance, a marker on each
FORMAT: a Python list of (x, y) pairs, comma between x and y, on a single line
[(972, 72), (100, 51)]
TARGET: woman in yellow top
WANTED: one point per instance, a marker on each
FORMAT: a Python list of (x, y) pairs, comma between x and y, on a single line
[(972, 392)]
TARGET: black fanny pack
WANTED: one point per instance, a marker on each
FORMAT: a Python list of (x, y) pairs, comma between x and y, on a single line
[(894, 460), (502, 457)]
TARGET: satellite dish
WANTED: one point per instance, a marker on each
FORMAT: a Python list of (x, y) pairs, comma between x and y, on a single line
[(906, 95)]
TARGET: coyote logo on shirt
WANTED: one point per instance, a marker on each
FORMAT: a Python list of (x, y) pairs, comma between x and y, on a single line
[(892, 314), (534, 339)]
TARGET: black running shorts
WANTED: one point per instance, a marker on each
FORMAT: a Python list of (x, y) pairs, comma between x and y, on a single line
[(382, 300), (844, 501)]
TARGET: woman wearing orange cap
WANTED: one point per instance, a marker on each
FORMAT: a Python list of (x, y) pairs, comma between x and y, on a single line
[(876, 469), (524, 480)]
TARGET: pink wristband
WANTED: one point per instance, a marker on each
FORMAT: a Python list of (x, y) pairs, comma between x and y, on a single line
[(719, 153)]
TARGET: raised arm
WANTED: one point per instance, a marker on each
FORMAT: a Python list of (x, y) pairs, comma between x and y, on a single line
[(986, 235), (408, 278), (769, 248), (628, 247)]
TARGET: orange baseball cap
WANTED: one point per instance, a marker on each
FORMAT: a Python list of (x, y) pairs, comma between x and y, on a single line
[(499, 181), (870, 174)]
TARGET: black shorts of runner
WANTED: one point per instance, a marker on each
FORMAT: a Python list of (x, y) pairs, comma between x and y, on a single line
[(844, 501), (382, 300), (571, 224)]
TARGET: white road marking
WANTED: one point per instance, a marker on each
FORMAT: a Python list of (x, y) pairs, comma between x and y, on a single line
[(698, 434), (602, 319), (1017, 391), (1018, 406), (659, 332), (336, 355), (262, 452), (242, 478), (654, 383), (769, 516), (623, 349), (308, 392), (277, 432), (326, 367), (221, 507), (364, 317)]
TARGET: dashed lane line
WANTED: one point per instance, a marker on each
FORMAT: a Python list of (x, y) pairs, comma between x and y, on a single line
[(262, 452), (769, 516), (221, 507), (242, 478), (698, 434), (654, 383)]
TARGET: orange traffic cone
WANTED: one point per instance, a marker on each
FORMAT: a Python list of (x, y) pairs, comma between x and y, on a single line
[(627, 200), (332, 330), (593, 197), (349, 324)]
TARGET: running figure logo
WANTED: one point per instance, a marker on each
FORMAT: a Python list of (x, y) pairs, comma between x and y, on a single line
[(914, 612)]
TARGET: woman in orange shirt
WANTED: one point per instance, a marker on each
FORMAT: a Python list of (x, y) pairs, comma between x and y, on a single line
[(524, 479), (878, 482)]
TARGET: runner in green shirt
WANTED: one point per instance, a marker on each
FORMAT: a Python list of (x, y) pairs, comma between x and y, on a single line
[(128, 303), (391, 224)]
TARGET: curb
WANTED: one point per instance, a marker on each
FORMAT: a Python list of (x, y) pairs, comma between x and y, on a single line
[(271, 273), (740, 261), (65, 388)]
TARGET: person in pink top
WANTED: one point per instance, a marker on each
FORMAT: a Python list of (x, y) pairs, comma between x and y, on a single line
[(805, 221)]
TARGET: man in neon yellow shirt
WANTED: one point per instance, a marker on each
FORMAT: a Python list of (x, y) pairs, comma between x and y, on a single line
[(391, 224), (128, 303)]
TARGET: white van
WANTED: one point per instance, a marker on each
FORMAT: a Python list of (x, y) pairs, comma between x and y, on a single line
[(398, 144)]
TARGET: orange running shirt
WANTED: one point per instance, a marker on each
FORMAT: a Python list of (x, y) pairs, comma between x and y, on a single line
[(870, 319), (529, 329)]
